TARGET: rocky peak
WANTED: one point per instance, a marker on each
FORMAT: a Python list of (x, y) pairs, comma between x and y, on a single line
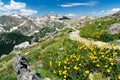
[(116, 16), (16, 15), (22, 70)]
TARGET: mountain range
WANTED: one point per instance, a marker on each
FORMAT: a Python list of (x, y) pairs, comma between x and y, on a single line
[(32, 29)]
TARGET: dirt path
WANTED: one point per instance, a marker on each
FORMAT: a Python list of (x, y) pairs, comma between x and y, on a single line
[(75, 36)]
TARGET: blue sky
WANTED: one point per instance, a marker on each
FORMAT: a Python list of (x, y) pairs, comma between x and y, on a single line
[(61, 7)]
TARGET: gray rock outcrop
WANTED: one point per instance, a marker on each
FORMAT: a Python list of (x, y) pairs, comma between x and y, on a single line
[(114, 29), (22, 69), (21, 46)]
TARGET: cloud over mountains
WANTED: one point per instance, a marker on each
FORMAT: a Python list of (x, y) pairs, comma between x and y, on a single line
[(92, 3), (15, 7), (106, 12)]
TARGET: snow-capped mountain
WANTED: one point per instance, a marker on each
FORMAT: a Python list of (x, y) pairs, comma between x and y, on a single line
[(26, 25)]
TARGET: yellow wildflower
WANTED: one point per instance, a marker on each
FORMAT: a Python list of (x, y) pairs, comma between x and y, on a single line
[(97, 65), (112, 63), (90, 78), (65, 62), (80, 64), (54, 72), (110, 59), (60, 72), (65, 72), (59, 63), (87, 72), (108, 70), (119, 77), (65, 76), (65, 67), (103, 56), (75, 67), (115, 53), (106, 66), (50, 63)]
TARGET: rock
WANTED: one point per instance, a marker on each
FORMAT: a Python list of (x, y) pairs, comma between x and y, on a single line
[(22, 69), (47, 79), (91, 75), (64, 18), (114, 29), (21, 46), (116, 16), (61, 49), (3, 56)]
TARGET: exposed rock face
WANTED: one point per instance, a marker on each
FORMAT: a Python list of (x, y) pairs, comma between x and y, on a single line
[(22, 45), (64, 18), (114, 29), (116, 16), (22, 71)]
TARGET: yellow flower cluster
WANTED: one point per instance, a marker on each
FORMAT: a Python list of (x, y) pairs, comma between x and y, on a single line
[(79, 60), (119, 77)]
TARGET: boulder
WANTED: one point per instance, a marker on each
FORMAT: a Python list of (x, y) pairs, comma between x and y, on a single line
[(22, 69), (114, 29), (21, 45)]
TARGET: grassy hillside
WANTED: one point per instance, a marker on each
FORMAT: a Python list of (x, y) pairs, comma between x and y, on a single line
[(62, 58), (97, 30), (33, 56)]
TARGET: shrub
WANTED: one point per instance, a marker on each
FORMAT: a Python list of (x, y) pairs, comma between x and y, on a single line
[(108, 37)]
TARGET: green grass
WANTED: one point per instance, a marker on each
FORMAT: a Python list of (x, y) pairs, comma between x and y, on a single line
[(91, 58), (7, 73), (59, 49), (97, 30), (47, 74)]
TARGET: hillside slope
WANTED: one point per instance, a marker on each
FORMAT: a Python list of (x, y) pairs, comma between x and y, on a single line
[(61, 58), (68, 55)]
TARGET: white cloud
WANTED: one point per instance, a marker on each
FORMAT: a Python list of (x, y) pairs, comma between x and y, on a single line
[(114, 10), (27, 12), (107, 12), (92, 3), (15, 7), (9, 12), (70, 15)]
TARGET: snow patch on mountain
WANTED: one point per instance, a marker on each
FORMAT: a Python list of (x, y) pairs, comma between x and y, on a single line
[(16, 15)]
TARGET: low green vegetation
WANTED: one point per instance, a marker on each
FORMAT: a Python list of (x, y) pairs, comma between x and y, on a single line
[(97, 30), (74, 61), (33, 56), (6, 68), (109, 37), (61, 58)]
